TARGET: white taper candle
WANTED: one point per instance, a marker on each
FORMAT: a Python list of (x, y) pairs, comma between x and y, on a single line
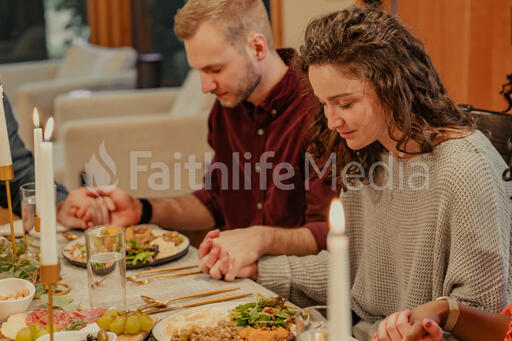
[(339, 297), (48, 214), (38, 139)]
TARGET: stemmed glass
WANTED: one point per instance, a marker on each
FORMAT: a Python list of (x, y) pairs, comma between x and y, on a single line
[(312, 324)]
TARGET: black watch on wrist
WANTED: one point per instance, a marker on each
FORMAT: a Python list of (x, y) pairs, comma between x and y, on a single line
[(147, 211)]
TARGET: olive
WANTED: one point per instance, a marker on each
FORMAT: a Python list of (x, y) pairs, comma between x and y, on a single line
[(90, 337)]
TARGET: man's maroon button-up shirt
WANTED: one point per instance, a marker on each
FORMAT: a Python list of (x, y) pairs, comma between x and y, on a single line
[(258, 173)]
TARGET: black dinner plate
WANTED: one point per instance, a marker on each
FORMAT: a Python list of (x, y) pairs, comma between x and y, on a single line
[(182, 251)]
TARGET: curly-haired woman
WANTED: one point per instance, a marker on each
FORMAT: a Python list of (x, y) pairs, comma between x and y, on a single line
[(427, 212)]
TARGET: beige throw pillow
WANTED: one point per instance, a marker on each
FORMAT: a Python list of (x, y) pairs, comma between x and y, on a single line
[(191, 101), (91, 60)]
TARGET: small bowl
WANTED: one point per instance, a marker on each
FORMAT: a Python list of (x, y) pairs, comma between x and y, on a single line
[(12, 286)]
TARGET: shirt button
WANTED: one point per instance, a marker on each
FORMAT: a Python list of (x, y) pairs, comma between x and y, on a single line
[(258, 169), (259, 205), (274, 111), (260, 132)]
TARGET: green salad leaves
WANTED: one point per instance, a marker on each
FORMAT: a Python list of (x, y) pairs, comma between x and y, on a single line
[(135, 254), (26, 267), (266, 312)]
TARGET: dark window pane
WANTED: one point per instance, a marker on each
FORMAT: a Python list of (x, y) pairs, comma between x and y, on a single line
[(40, 29), (22, 31), (165, 42)]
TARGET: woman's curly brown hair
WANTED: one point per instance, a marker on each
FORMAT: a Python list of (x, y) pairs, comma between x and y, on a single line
[(374, 46)]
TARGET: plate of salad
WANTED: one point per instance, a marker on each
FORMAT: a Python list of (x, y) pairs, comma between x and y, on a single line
[(265, 312), (145, 246), (268, 318)]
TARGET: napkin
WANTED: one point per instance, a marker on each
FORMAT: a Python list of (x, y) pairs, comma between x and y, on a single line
[(60, 228), (5, 230)]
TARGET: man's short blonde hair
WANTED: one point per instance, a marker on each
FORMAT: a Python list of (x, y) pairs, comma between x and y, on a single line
[(237, 19)]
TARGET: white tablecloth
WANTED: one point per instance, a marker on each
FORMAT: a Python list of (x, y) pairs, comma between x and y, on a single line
[(162, 289)]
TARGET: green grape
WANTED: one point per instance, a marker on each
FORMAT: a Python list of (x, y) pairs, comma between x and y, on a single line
[(105, 321), (117, 326), (25, 334), (55, 328), (40, 333), (146, 323), (35, 327), (132, 325), (111, 313)]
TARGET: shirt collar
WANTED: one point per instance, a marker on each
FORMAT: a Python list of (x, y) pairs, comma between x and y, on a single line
[(283, 92)]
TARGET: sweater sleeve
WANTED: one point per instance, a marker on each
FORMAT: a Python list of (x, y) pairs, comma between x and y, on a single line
[(318, 198), (302, 280), (479, 230)]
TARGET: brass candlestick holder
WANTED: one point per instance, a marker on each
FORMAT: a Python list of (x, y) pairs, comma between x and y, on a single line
[(49, 275), (37, 224), (7, 174)]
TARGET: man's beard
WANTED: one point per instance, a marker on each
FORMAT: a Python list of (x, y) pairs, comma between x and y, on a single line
[(248, 84)]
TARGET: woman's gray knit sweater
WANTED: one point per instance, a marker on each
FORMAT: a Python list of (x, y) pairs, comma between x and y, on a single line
[(433, 225)]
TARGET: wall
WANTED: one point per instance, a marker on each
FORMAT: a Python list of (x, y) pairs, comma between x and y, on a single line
[(470, 42), (296, 14)]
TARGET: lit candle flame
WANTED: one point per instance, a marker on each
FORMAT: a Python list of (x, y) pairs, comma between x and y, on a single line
[(337, 216), (35, 118), (48, 130)]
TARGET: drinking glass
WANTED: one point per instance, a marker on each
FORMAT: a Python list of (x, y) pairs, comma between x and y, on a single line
[(28, 205), (5, 247), (312, 324), (106, 266)]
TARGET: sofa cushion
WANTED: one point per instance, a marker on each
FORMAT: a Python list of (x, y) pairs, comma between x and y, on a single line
[(191, 101), (91, 60)]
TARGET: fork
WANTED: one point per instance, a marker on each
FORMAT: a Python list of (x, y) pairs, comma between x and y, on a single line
[(195, 304), (160, 304)]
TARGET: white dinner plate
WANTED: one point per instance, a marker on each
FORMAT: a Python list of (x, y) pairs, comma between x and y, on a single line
[(218, 309)]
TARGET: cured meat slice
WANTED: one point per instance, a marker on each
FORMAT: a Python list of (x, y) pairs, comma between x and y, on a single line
[(63, 319)]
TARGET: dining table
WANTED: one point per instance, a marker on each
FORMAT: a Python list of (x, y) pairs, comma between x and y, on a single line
[(162, 289)]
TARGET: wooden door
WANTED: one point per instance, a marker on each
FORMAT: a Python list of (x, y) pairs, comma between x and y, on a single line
[(110, 22), (470, 42)]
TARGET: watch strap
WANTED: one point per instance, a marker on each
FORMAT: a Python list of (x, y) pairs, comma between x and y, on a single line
[(453, 313), (147, 211)]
